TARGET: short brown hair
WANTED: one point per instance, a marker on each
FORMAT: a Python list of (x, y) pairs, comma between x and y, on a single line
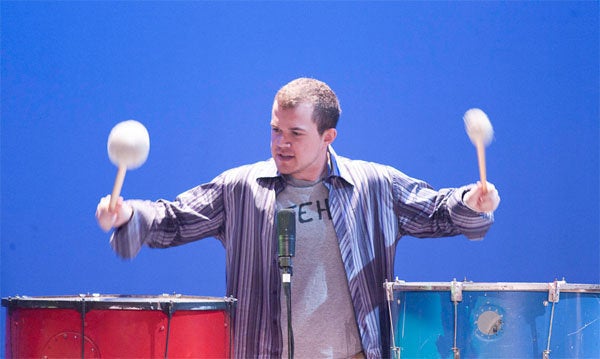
[(326, 107)]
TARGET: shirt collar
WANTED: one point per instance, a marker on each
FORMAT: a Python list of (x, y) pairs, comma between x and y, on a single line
[(270, 172), (334, 169)]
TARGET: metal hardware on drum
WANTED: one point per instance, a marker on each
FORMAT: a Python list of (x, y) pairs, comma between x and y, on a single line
[(500, 320), (169, 312), (94, 326), (388, 286), (553, 297), (82, 312), (455, 296)]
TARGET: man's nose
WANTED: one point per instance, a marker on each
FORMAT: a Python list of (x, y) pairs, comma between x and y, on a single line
[(282, 141)]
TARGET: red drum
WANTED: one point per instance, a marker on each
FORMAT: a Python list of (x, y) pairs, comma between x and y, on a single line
[(96, 326)]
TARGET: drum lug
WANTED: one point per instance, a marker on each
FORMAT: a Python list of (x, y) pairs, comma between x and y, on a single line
[(456, 291), (389, 290), (554, 290)]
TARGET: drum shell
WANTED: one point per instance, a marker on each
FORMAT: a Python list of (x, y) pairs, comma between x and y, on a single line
[(135, 327), (518, 322)]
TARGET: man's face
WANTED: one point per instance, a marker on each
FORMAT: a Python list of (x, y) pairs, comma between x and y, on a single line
[(296, 146)]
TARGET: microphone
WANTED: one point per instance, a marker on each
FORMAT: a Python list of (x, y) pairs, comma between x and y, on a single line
[(286, 236)]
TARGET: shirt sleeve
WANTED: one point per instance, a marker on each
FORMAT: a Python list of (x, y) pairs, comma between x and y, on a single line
[(474, 225), (193, 215), (424, 212)]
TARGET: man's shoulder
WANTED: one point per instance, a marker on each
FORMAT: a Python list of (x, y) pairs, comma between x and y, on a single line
[(349, 166), (260, 169)]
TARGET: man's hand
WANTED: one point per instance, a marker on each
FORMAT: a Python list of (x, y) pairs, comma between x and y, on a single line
[(112, 219), (482, 202)]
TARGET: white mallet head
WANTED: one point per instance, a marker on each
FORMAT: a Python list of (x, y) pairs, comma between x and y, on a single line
[(128, 144), (478, 126)]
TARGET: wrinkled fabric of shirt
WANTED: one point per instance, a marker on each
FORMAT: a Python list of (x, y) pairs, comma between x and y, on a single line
[(372, 206)]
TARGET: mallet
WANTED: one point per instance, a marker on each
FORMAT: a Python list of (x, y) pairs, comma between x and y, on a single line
[(481, 133), (128, 147)]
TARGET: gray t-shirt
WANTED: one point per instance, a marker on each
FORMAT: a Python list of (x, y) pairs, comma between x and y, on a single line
[(323, 319)]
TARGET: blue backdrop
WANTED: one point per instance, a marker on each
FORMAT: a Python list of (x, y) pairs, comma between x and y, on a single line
[(201, 76)]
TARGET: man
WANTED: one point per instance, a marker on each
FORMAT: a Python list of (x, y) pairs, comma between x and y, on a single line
[(350, 215)]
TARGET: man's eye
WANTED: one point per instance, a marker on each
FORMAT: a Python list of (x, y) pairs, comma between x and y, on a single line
[(296, 133)]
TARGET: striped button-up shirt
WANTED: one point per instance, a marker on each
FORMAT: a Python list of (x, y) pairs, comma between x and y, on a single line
[(372, 207)]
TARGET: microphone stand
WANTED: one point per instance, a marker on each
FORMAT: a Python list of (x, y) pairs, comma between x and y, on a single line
[(286, 236), (285, 263)]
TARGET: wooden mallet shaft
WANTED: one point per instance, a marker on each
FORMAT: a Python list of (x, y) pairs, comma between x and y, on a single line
[(116, 192), (481, 160)]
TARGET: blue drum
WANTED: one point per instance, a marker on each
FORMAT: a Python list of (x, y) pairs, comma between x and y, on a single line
[(494, 320)]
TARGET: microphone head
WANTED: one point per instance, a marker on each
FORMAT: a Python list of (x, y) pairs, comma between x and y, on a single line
[(286, 232)]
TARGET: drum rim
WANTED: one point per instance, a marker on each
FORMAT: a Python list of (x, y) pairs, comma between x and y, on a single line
[(400, 285), (121, 302)]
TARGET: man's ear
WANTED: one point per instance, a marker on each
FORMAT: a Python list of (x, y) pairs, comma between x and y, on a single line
[(329, 135)]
